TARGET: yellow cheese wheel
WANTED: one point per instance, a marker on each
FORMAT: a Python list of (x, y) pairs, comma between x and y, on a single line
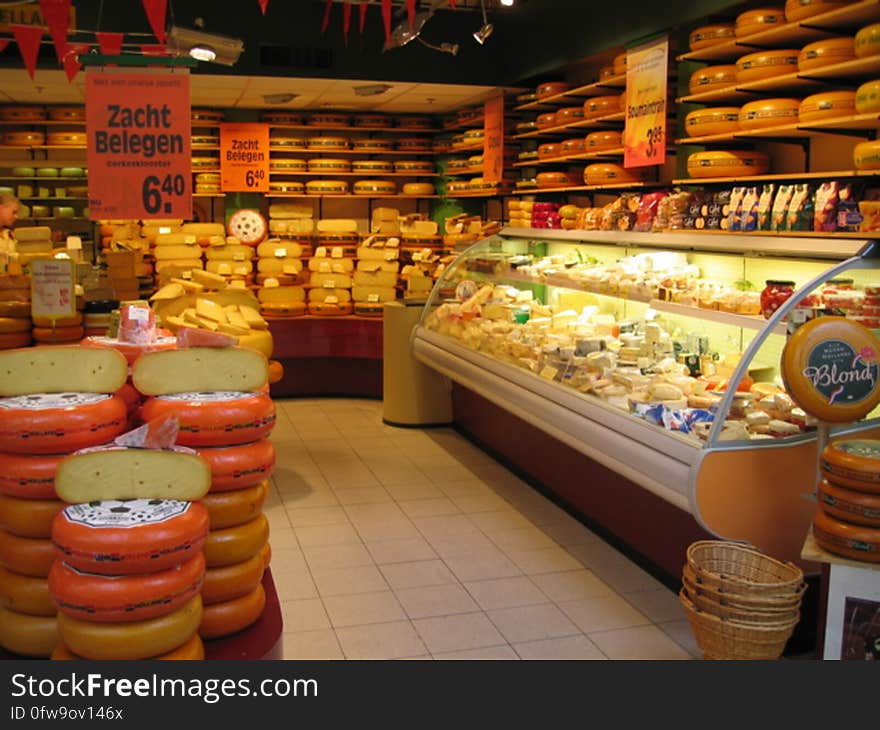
[(25, 594), (825, 52), (327, 143), (191, 650), (849, 505), (373, 166), (768, 113), (328, 120), (766, 64), (853, 463), (22, 113), (867, 41), (288, 164), (25, 555), (553, 180), (31, 636), (866, 155), (374, 187), (326, 187), (133, 639), (572, 146), (67, 113), (603, 140), (326, 164), (371, 120), (230, 617), (235, 507), (66, 139), (286, 142), (289, 186), (712, 78), (619, 64), (279, 117), (857, 542), (326, 309), (605, 173), (710, 35), (372, 144), (550, 88), (237, 579), (727, 163), (204, 163), (756, 21), (800, 9), (25, 138), (418, 188), (236, 544), (14, 340), (868, 97), (569, 114), (28, 517), (712, 120), (12, 325), (71, 321), (600, 106), (827, 105), (413, 166)]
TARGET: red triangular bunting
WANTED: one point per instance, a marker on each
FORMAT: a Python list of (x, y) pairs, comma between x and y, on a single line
[(71, 60), (28, 39), (56, 16), (386, 18), (362, 18), (326, 21), (411, 13), (452, 4), (155, 10), (3, 43), (110, 43), (346, 20), (263, 5), (154, 49)]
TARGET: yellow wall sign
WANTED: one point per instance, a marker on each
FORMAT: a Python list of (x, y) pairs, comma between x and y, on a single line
[(644, 137), (28, 14)]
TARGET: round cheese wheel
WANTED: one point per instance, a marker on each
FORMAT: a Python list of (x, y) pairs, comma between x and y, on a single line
[(233, 581), (768, 113), (286, 142), (47, 172), (279, 117), (124, 598), (14, 340), (712, 78), (291, 164), (374, 166), (31, 636), (866, 155), (235, 507), (210, 177), (868, 97), (849, 505), (131, 396), (727, 163), (418, 188), (25, 594), (371, 120), (25, 555), (134, 536), (413, 166), (421, 122), (23, 138), (204, 140), (66, 139), (606, 72), (372, 144), (204, 163), (22, 113), (238, 467), (853, 463), (843, 538), (18, 310), (600, 106), (29, 476), (326, 187), (236, 544), (545, 121), (554, 180), (867, 42), (74, 320), (569, 114), (327, 164), (710, 35), (220, 418), (72, 172), (619, 64), (766, 64), (286, 309), (14, 325), (328, 120), (131, 350), (548, 150), (206, 115), (413, 144), (230, 617), (248, 226), (59, 422), (605, 173), (28, 517), (602, 140), (551, 88), (825, 52), (827, 105), (712, 120), (327, 309), (800, 9), (191, 650), (286, 187), (572, 146), (57, 335), (756, 21), (374, 187), (134, 639)]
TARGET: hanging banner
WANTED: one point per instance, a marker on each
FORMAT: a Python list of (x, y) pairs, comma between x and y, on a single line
[(52, 288), (109, 43), (72, 65), (493, 140), (138, 127), (57, 16), (156, 10), (244, 157), (28, 14), (644, 137)]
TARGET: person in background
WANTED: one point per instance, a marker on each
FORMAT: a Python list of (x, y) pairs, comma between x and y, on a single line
[(9, 206)]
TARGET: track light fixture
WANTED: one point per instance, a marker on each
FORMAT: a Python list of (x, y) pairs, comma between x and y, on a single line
[(507, 3), (403, 34), (204, 46), (486, 30)]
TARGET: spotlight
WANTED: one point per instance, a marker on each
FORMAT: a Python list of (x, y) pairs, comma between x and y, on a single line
[(203, 53), (483, 33), (204, 46), (507, 3)]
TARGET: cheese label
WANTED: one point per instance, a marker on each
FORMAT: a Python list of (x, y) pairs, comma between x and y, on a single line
[(373, 298), (331, 300), (47, 401), (867, 448), (840, 373), (549, 373), (125, 513), (290, 269), (213, 396), (238, 257), (329, 284), (336, 252), (280, 253)]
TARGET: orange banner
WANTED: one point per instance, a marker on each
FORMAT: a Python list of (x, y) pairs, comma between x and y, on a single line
[(138, 153), (493, 140), (244, 158), (644, 137)]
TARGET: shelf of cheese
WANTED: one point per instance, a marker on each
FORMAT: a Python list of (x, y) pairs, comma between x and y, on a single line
[(599, 154), (298, 151), (280, 173), (43, 147), (797, 33), (314, 196), (865, 123), (587, 188), (829, 175), (597, 88), (595, 122)]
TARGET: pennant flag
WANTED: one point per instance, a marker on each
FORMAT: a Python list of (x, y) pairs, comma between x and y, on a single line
[(110, 43), (346, 20), (71, 60), (264, 4), (386, 18), (154, 49), (3, 43), (28, 39), (452, 4), (362, 18), (411, 13), (155, 10), (326, 22), (56, 15)]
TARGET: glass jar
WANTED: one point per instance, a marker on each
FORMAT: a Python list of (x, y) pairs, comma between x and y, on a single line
[(774, 294)]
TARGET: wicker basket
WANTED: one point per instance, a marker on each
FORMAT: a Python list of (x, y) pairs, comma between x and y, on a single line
[(737, 568), (746, 601)]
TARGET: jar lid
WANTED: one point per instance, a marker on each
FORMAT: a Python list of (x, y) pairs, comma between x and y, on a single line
[(100, 305), (778, 282), (839, 281)]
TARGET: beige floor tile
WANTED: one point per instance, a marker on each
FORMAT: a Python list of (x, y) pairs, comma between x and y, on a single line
[(450, 546), (499, 521), (566, 647), (416, 574), (568, 533), (309, 499), (327, 535), (544, 560), (414, 490), (614, 568), (401, 529), (347, 581), (317, 516), (351, 480), (660, 605), (521, 538), (505, 592), (365, 514), (283, 538), (465, 488), (363, 495), (387, 552), (602, 613), (482, 565), (322, 557), (364, 608), (389, 475), (311, 645), (393, 640), (640, 642), (429, 507), (458, 633), (682, 634), (287, 559), (294, 585), (532, 623), (444, 526), (442, 600), (451, 473), (365, 446), (487, 653), (305, 614), (470, 503), (573, 585)]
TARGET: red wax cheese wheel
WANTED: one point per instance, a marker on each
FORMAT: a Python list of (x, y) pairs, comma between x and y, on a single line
[(221, 418), (29, 476), (248, 226), (191, 650), (14, 340), (25, 594), (132, 640), (131, 396), (230, 617), (28, 517), (134, 536), (120, 598), (236, 544), (235, 507), (830, 368), (233, 581), (59, 422), (130, 350), (31, 636), (842, 538), (237, 467), (849, 505), (853, 463), (26, 555), (59, 335)]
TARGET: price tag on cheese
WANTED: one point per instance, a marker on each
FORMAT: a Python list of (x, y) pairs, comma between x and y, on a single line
[(338, 268), (164, 229), (372, 298), (549, 373), (224, 268), (324, 267), (329, 285), (336, 252), (238, 257), (320, 252), (241, 270), (280, 253), (391, 256), (292, 269), (331, 300), (417, 256), (270, 283)]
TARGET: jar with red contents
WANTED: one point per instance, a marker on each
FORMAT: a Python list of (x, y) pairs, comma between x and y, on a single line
[(775, 293)]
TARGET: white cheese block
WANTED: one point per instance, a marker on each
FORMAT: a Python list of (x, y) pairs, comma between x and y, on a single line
[(209, 280), (280, 266), (331, 281), (337, 296), (230, 252), (281, 294), (163, 253), (376, 278), (373, 294), (200, 369), (61, 369), (284, 249)]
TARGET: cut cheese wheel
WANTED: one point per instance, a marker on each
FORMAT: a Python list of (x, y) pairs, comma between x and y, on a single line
[(827, 105), (239, 467), (15, 325), (602, 173), (849, 505), (59, 422), (759, 20), (131, 351), (61, 369), (291, 267), (31, 636), (727, 163), (181, 251), (825, 52), (712, 78), (712, 120), (235, 507), (74, 320), (842, 538), (124, 598), (29, 477), (57, 335), (199, 369), (135, 536), (853, 463), (177, 266), (710, 35), (230, 252), (800, 9), (191, 650), (163, 240), (217, 418), (275, 247), (868, 97), (867, 42), (768, 113), (331, 280), (203, 231), (28, 517), (236, 544), (118, 473), (866, 155), (230, 617), (766, 64), (25, 594), (228, 582), (132, 640), (26, 555)]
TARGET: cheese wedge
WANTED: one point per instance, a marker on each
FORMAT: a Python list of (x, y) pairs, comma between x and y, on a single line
[(208, 279), (200, 369), (61, 369), (253, 318)]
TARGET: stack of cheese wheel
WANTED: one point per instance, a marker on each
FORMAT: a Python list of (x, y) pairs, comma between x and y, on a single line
[(231, 259), (53, 401), (292, 222), (32, 242), (176, 252), (376, 277), (847, 522), (330, 291), (15, 311), (220, 398), (282, 261), (129, 566)]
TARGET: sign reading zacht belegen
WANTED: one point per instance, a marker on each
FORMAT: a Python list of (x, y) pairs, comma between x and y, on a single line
[(138, 128), (244, 158)]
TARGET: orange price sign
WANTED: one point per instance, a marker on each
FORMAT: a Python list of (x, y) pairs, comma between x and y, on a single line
[(644, 136), (244, 157), (493, 140), (138, 150)]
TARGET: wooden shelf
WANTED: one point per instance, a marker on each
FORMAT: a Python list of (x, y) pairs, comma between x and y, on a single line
[(54, 197), (299, 151), (47, 179), (597, 88), (746, 321), (365, 175), (589, 188), (44, 123), (472, 124), (600, 154), (350, 128), (349, 196), (854, 123), (829, 175), (598, 122), (42, 147)]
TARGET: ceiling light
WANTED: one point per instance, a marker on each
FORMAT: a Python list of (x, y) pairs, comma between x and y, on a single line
[(204, 46), (483, 33), (507, 3), (203, 53)]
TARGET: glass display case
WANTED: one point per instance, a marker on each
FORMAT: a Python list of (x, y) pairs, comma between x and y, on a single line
[(658, 356)]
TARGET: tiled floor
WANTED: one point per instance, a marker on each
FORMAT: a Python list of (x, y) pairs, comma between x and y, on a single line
[(392, 543)]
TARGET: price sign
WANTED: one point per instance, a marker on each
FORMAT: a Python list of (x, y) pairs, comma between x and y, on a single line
[(138, 127), (244, 158), (644, 136), (493, 140), (52, 288)]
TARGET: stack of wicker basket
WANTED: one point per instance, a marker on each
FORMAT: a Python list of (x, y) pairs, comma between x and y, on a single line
[(741, 604)]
